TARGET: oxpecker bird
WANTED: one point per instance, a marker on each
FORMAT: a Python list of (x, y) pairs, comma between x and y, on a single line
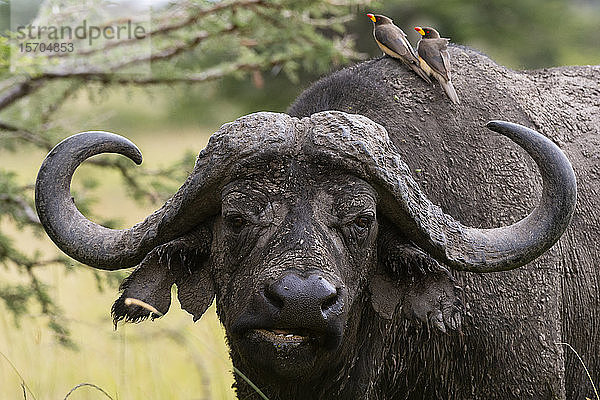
[(393, 42), (435, 59)]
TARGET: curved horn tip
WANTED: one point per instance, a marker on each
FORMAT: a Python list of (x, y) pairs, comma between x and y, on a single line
[(124, 146), (509, 129), (131, 150), (497, 125), (493, 124)]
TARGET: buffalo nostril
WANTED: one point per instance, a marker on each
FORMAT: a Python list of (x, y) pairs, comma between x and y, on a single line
[(330, 300), (273, 297)]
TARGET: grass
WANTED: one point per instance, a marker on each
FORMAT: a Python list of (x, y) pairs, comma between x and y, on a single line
[(170, 358), (23, 383), (584, 367)]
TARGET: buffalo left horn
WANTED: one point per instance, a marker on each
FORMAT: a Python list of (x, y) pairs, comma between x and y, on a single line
[(197, 200)]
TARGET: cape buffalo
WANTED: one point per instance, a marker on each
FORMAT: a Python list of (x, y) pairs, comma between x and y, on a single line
[(334, 273)]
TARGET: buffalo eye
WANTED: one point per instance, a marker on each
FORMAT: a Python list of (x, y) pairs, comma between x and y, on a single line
[(362, 222), (236, 222)]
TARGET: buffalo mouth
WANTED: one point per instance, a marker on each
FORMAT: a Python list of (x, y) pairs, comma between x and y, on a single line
[(285, 337), (286, 352)]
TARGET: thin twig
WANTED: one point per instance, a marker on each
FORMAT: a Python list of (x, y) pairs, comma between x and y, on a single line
[(249, 382), (35, 264), (23, 384), (90, 385)]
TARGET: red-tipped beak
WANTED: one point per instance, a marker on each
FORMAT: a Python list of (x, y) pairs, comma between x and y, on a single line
[(372, 17), (420, 30)]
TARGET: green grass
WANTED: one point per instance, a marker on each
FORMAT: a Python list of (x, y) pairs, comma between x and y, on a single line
[(170, 358)]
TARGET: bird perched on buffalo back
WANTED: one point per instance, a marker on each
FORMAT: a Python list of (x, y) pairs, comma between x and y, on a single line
[(435, 60), (393, 42)]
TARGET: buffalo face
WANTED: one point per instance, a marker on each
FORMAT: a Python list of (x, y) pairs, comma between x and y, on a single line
[(292, 247)]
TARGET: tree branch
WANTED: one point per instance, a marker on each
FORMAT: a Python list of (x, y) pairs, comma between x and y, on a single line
[(165, 54), (168, 28), (129, 178), (16, 91), (26, 135), (192, 19), (20, 90), (27, 211), (209, 75)]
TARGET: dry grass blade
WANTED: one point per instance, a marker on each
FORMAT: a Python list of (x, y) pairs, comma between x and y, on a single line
[(249, 382), (131, 301), (584, 367), (89, 385), (23, 384)]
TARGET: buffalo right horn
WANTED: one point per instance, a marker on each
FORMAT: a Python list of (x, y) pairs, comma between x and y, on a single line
[(508, 247), (362, 146)]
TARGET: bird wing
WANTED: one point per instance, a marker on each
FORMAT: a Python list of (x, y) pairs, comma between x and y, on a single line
[(395, 39), (446, 59), (430, 50)]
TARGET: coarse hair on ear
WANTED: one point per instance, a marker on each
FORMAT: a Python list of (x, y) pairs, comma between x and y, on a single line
[(146, 293), (410, 281)]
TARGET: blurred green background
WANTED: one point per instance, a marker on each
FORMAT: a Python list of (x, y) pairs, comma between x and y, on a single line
[(172, 358)]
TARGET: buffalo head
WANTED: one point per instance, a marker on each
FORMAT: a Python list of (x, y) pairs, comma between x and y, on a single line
[(298, 227)]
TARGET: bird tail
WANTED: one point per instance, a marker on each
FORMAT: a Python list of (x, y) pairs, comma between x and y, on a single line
[(419, 71), (450, 91)]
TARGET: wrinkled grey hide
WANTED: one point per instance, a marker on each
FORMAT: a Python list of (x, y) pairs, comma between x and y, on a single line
[(334, 273), (514, 319)]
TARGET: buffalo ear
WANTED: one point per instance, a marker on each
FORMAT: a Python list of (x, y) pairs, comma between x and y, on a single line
[(196, 291), (386, 294), (150, 283), (195, 287), (434, 299), (410, 281), (183, 262)]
